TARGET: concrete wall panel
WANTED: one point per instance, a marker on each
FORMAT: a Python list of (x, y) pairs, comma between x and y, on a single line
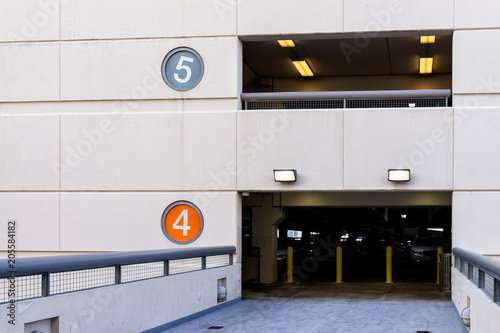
[(309, 141), (477, 14), (475, 221), (37, 215), (262, 17), (381, 15), (132, 221), (132, 69), (29, 72), (97, 19), (167, 151), (417, 139), (29, 152), (29, 20)]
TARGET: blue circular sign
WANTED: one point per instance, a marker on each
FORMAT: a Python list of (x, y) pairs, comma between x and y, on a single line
[(182, 69)]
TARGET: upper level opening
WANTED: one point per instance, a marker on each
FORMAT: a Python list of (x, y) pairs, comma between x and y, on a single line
[(356, 64)]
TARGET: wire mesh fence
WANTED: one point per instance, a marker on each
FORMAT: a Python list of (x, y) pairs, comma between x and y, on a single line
[(347, 103)]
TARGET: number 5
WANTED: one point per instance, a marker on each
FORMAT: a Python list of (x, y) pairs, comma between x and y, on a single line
[(185, 67)]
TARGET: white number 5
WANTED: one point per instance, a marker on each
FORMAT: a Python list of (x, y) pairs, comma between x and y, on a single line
[(184, 67), (184, 227)]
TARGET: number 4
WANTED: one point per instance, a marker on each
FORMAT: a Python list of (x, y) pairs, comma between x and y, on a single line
[(184, 67), (184, 227)]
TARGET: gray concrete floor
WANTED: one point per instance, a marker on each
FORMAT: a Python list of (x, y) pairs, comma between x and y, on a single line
[(328, 307)]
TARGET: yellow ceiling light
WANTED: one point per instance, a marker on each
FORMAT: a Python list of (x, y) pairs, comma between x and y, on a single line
[(286, 43), (303, 68), (426, 65), (427, 39)]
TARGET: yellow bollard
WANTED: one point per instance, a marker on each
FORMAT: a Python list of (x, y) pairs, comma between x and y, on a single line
[(439, 251), (289, 259), (339, 265), (388, 264)]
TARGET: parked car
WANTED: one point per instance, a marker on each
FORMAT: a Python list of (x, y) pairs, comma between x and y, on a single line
[(424, 249)]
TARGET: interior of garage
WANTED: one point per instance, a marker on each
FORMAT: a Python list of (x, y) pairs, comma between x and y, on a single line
[(363, 224), (347, 62)]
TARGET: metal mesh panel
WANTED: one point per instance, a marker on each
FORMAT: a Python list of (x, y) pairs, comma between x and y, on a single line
[(217, 261), (396, 103), (290, 105), (348, 103), (489, 285), (142, 271), (475, 276), (84, 279), (184, 265), (24, 287)]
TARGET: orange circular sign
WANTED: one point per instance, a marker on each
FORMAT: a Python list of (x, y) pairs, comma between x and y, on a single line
[(182, 222)]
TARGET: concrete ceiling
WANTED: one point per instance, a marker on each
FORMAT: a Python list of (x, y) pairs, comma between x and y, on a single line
[(348, 56)]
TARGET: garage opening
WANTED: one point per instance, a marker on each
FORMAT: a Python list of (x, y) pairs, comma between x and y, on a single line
[(364, 224)]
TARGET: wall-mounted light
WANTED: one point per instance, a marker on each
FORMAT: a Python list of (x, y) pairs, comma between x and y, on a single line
[(286, 43), (427, 39), (285, 175), (426, 65), (398, 175), (303, 68), (465, 315)]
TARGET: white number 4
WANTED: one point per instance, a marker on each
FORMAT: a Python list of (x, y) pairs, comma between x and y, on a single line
[(184, 67), (184, 227)]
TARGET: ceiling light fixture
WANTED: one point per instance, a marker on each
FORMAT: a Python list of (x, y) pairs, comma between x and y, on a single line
[(426, 65), (286, 43), (285, 175), (398, 175), (427, 39), (303, 68)]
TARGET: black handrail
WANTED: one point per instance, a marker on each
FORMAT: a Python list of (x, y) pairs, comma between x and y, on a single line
[(485, 264), (55, 264)]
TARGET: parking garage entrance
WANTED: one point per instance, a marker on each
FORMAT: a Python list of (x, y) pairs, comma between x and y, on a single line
[(364, 224)]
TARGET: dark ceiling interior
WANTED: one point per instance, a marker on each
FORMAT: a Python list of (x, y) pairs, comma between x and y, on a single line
[(348, 57)]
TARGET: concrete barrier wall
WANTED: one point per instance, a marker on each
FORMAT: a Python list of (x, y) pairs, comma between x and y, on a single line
[(130, 307), (485, 314)]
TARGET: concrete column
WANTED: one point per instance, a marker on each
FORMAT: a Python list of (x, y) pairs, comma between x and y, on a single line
[(265, 220)]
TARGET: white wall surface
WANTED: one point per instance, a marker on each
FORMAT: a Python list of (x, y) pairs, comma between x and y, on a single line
[(132, 221), (309, 141), (379, 15), (37, 220), (131, 69), (484, 313), (29, 146), (417, 139), (97, 19), (476, 226), (130, 307), (29, 20), (148, 151), (29, 72), (477, 148), (477, 14), (145, 106), (282, 16), (476, 69)]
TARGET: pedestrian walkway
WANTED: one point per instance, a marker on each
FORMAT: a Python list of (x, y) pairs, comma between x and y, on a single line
[(337, 308)]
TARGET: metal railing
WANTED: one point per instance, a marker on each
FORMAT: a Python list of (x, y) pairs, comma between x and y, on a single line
[(46, 276), (484, 272), (347, 99)]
